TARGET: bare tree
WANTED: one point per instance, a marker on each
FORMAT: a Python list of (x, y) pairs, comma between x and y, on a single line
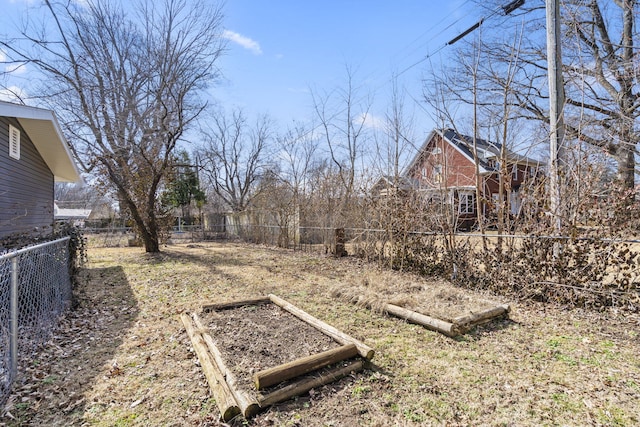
[(603, 80), (298, 148), (126, 87), (343, 126), (391, 204), (78, 196), (285, 191), (234, 157), (600, 67), (398, 133)]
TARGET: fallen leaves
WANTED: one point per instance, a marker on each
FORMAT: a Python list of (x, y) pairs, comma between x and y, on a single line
[(122, 358)]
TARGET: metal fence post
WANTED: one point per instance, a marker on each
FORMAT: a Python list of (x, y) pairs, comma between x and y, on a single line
[(14, 316)]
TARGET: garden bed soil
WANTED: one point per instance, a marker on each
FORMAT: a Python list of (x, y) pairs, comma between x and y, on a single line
[(252, 338)]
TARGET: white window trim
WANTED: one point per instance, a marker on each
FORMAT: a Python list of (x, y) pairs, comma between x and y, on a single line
[(437, 173), (469, 204)]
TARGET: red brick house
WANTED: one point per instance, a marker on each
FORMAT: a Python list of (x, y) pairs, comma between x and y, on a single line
[(444, 172)]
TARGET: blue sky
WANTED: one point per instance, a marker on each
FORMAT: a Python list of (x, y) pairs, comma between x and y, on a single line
[(281, 50)]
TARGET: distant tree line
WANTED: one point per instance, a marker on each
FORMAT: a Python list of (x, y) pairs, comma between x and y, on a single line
[(128, 88)]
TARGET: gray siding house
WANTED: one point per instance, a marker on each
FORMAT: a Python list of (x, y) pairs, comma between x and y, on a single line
[(33, 155)]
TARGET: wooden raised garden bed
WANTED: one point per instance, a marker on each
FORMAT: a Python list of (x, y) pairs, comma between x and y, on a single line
[(450, 326), (453, 328), (259, 352)]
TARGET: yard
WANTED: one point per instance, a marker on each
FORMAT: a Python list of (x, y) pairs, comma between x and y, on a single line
[(122, 358)]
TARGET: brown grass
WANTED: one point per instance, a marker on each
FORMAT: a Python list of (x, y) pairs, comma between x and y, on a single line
[(435, 298), (123, 358)]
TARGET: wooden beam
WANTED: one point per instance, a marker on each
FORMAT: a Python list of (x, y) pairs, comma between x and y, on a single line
[(446, 328), (363, 349), (219, 387), (303, 386), (465, 322), (248, 403), (303, 365), (235, 304)]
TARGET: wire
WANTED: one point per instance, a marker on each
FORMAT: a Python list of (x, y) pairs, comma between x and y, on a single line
[(439, 33), (505, 9), (461, 35), (433, 37)]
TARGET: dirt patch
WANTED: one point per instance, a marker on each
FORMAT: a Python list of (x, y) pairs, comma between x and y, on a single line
[(257, 337), (124, 358)]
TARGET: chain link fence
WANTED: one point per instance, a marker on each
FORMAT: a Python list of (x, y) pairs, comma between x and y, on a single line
[(35, 289)]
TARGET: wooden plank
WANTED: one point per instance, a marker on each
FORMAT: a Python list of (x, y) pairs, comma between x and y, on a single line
[(446, 328), (219, 387), (432, 323), (303, 386), (235, 304), (475, 318), (303, 365), (363, 349), (248, 404)]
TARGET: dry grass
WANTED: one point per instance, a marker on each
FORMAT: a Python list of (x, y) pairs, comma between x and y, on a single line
[(435, 298), (123, 359)]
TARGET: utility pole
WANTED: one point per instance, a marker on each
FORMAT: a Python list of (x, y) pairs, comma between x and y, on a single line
[(556, 114)]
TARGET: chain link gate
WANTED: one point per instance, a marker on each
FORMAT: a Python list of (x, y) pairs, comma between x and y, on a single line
[(35, 289)]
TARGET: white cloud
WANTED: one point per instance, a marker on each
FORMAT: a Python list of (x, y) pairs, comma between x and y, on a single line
[(16, 68), (13, 94), (370, 121), (243, 41), (11, 67), (302, 90)]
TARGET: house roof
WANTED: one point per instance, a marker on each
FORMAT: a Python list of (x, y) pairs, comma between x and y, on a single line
[(44, 131), (487, 150), (65, 213), (388, 181)]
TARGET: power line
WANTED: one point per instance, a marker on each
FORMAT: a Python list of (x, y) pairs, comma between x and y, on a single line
[(507, 9), (438, 33)]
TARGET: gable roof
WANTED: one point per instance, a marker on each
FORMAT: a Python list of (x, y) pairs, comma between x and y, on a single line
[(487, 150), (66, 213), (388, 181), (42, 127)]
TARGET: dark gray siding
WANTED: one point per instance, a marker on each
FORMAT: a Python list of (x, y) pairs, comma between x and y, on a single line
[(26, 186)]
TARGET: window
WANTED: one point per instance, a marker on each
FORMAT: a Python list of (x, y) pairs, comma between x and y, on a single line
[(466, 203), (437, 173), (14, 142), (514, 172), (435, 199), (495, 199)]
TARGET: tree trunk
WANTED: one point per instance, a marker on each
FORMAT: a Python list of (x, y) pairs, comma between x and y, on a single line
[(626, 166), (151, 236), (150, 240)]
